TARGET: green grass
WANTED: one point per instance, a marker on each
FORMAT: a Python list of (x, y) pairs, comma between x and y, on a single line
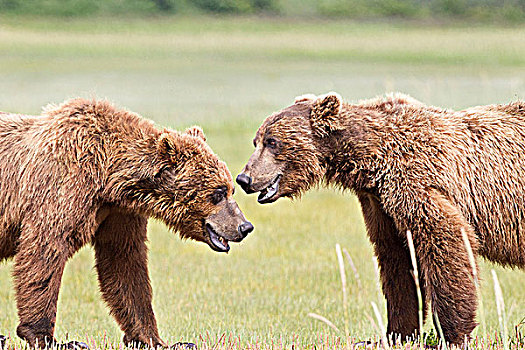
[(227, 75)]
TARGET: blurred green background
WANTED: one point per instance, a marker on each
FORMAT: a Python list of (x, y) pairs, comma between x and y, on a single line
[(480, 10), (176, 63)]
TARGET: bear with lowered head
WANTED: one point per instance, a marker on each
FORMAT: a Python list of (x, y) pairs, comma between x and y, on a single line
[(86, 172)]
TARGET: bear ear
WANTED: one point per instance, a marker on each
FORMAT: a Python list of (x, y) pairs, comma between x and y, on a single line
[(171, 146), (325, 113), (165, 145), (196, 131), (305, 97)]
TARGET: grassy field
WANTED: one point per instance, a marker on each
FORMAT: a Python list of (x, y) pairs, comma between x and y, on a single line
[(227, 75)]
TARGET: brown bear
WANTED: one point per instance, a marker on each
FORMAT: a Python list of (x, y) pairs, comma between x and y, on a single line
[(413, 167), (86, 172)]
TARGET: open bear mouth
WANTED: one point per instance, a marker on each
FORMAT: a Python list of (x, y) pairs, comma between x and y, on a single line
[(217, 242), (267, 193)]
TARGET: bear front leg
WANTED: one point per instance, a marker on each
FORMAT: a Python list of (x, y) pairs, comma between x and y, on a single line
[(446, 271), (37, 274), (121, 263), (395, 269)]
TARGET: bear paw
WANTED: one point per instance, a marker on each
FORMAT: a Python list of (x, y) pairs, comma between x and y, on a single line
[(368, 344), (74, 345), (183, 346)]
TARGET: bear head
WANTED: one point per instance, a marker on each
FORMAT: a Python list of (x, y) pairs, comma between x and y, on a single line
[(182, 182), (288, 159)]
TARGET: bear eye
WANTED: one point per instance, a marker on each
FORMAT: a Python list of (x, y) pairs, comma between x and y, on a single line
[(161, 171), (218, 195), (271, 143)]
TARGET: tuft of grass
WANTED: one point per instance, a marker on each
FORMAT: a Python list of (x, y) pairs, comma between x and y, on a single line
[(325, 320), (382, 329), (500, 304), (475, 278), (354, 269), (343, 286), (415, 274)]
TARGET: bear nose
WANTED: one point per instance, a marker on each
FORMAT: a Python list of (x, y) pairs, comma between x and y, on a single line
[(245, 181), (245, 228)]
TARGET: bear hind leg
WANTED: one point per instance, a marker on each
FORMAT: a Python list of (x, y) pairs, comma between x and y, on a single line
[(37, 273)]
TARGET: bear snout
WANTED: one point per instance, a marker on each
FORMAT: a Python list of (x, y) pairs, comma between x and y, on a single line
[(245, 228), (245, 182)]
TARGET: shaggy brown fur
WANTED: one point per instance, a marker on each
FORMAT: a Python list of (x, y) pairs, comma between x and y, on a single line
[(413, 167), (86, 172)]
